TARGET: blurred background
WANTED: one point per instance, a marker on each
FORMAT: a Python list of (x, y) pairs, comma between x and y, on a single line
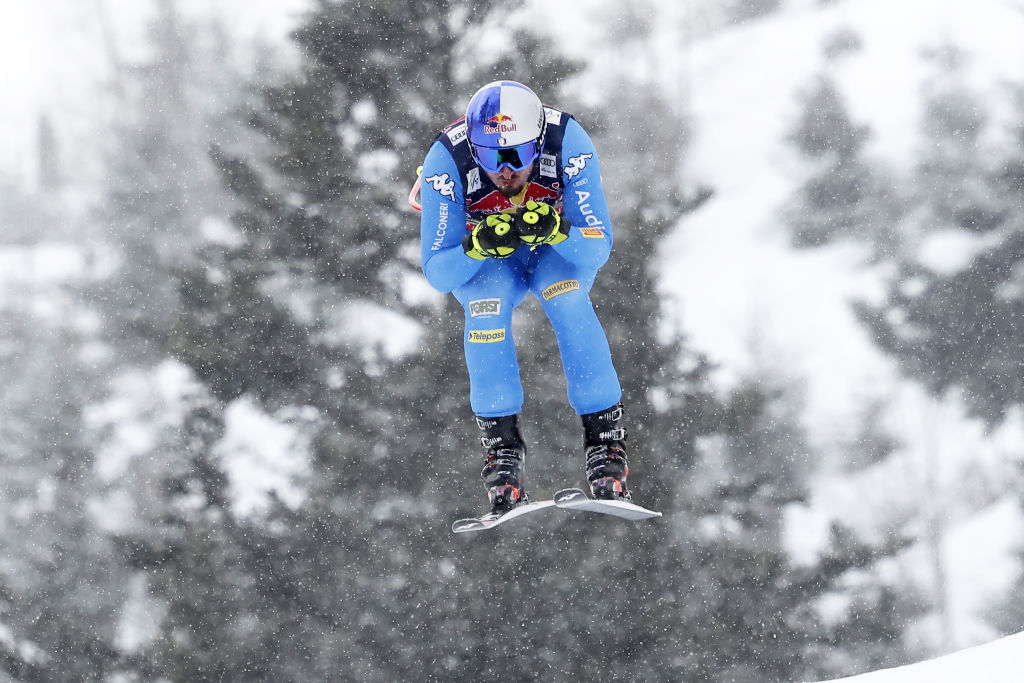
[(234, 424)]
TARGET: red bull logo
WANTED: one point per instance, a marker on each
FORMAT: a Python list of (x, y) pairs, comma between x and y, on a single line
[(498, 124), (495, 201), (539, 193)]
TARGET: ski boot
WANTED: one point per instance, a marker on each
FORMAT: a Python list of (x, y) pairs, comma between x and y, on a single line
[(605, 444), (503, 464)]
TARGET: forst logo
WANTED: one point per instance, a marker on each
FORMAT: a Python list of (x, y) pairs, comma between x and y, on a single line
[(484, 307), (499, 123)]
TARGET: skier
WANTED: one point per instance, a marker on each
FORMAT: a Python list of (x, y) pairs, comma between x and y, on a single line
[(525, 181)]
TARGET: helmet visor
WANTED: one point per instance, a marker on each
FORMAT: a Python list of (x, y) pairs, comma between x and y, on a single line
[(518, 157)]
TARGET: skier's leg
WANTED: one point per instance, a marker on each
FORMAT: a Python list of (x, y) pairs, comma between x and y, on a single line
[(594, 389), (496, 392), (488, 301), (564, 292)]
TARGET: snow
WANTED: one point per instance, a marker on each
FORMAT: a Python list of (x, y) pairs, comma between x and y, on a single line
[(950, 251), (375, 330), (264, 456), (995, 662), (143, 404)]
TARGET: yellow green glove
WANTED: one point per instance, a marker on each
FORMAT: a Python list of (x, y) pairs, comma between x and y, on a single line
[(538, 223), (493, 237)]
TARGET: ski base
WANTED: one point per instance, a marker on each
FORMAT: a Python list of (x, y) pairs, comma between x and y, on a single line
[(491, 520), (566, 499), (577, 499)]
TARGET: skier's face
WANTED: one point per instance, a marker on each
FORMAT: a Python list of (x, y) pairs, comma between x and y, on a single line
[(510, 182)]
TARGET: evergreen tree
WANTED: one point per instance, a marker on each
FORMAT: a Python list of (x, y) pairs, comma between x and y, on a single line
[(845, 197), (161, 186), (947, 324), (323, 228), (960, 325), (59, 577)]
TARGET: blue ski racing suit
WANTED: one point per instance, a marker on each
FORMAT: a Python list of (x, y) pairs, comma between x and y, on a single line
[(456, 193)]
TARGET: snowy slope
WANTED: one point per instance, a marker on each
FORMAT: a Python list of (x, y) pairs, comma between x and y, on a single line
[(763, 309), (995, 662)]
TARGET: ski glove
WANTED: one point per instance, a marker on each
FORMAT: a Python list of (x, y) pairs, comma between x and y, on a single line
[(539, 223), (493, 237)]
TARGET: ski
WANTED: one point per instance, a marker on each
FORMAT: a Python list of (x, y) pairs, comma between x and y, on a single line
[(491, 520), (577, 499)]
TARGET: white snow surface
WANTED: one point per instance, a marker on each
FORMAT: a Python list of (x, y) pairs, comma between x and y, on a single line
[(995, 662)]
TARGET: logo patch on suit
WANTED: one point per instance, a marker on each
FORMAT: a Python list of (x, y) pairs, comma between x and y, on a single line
[(443, 185), (486, 336), (547, 166), (473, 180), (560, 288), (457, 134), (484, 307), (576, 164), (495, 201)]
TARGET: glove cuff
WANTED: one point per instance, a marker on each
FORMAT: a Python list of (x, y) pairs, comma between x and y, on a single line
[(470, 248), (561, 234)]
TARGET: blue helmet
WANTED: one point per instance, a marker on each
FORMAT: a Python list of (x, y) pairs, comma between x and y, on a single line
[(505, 126)]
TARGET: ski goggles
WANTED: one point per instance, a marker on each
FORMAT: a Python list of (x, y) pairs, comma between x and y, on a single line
[(517, 157)]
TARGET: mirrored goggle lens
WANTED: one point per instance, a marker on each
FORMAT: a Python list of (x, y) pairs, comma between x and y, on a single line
[(517, 158)]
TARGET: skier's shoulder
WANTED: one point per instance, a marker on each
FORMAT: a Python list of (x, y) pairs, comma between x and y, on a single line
[(455, 140), (454, 134)]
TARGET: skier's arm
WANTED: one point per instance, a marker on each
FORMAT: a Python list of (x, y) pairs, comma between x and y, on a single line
[(443, 223), (583, 201)]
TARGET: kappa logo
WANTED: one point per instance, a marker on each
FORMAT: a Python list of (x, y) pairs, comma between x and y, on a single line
[(576, 164), (484, 307), (443, 185), (486, 336), (560, 288)]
